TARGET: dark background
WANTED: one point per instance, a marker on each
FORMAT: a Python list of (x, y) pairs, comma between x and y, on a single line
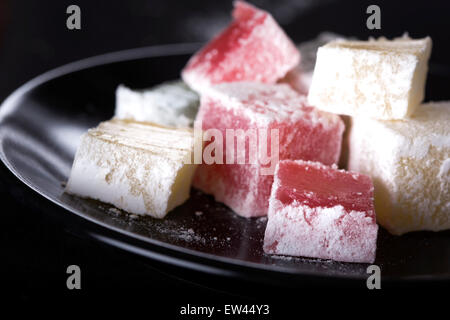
[(36, 249)]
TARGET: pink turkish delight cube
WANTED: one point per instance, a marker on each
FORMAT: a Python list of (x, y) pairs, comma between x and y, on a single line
[(321, 212), (282, 120), (252, 48)]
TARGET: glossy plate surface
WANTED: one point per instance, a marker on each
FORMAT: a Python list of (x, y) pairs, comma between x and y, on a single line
[(39, 129)]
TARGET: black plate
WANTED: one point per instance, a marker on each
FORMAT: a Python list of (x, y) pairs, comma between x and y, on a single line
[(40, 125)]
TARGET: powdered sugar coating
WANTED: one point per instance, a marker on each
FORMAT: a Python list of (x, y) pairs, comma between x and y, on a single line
[(169, 104), (252, 48), (322, 229), (300, 77), (304, 133), (265, 103), (407, 161), (382, 79), (137, 167)]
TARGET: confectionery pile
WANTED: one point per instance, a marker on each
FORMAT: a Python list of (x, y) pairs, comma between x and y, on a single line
[(251, 85)]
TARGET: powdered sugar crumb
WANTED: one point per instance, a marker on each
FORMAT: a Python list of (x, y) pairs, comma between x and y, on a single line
[(114, 210)]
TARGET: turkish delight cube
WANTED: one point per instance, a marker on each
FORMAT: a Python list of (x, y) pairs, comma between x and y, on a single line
[(409, 162), (281, 121), (252, 48), (140, 168), (382, 79), (170, 104), (321, 212)]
